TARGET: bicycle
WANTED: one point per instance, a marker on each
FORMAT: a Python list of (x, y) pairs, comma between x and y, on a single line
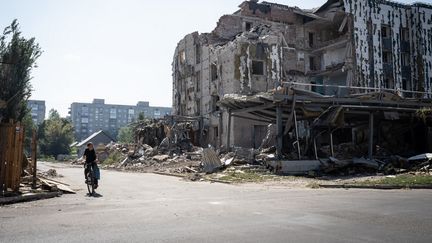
[(90, 179)]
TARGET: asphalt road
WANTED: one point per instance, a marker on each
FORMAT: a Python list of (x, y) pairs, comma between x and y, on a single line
[(152, 208)]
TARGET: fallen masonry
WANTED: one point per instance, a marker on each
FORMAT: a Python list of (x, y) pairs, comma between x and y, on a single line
[(196, 162)]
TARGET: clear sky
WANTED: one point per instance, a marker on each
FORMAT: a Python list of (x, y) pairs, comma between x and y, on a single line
[(118, 50)]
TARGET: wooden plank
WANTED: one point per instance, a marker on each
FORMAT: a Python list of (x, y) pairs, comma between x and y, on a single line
[(20, 157), (14, 164), (51, 180), (3, 139), (15, 156), (34, 157), (9, 156), (59, 186)]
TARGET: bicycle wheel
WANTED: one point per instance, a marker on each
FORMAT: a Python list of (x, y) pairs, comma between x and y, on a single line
[(91, 182)]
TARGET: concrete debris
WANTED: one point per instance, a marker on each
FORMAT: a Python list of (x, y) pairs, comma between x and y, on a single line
[(44, 183), (150, 132), (423, 157), (50, 173), (210, 160), (161, 158), (243, 156), (294, 167)]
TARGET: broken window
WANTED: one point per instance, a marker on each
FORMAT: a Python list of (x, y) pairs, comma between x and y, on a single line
[(405, 34), (258, 67), (215, 100), (405, 59), (214, 74), (404, 84), (260, 51), (388, 83), (387, 57), (198, 81), (198, 54), (216, 131), (198, 109), (385, 31), (312, 64), (248, 26), (182, 57), (311, 39)]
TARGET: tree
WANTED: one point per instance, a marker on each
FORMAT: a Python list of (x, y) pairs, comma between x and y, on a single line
[(56, 135), (29, 125), (125, 135), (18, 57), (141, 116)]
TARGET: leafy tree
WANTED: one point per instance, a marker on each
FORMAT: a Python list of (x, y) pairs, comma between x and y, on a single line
[(141, 116), (125, 135), (18, 57), (29, 125), (56, 135)]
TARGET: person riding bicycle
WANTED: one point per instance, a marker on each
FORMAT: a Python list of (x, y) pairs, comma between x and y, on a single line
[(90, 159)]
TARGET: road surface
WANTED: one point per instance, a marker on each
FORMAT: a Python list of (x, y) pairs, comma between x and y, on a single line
[(153, 208)]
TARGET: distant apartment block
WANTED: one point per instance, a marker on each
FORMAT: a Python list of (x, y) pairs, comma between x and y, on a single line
[(37, 109), (88, 118)]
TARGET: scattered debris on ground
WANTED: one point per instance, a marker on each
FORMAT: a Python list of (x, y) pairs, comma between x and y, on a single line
[(46, 187), (172, 153)]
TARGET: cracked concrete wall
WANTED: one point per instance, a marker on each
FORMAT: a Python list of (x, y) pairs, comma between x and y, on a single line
[(422, 46), (275, 41), (370, 68)]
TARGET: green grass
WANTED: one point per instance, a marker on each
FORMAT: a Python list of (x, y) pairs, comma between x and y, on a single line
[(401, 180), (113, 158), (246, 176), (313, 185), (243, 177), (46, 158)]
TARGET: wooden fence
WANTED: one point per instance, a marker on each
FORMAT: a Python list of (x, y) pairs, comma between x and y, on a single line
[(11, 156)]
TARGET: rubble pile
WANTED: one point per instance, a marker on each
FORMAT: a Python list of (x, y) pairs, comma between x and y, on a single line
[(148, 159), (175, 153), (150, 132), (45, 182), (420, 164)]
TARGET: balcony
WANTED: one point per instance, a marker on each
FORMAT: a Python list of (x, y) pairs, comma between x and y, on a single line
[(339, 42)]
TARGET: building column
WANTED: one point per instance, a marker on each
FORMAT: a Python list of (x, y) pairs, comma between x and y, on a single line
[(280, 131), (371, 133)]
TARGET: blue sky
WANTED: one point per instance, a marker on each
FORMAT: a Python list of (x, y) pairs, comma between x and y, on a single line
[(119, 50)]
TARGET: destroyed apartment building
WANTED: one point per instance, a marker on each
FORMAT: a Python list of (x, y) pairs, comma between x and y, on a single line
[(351, 75)]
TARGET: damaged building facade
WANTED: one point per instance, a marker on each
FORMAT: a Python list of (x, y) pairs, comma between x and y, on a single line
[(343, 48)]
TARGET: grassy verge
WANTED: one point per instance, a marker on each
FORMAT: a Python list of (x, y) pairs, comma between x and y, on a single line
[(401, 180), (248, 177), (46, 158)]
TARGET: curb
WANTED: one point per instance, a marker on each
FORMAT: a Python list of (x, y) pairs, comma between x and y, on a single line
[(220, 181), (381, 187), (185, 176), (29, 197), (169, 174)]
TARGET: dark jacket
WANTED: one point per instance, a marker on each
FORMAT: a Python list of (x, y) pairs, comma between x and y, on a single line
[(90, 155)]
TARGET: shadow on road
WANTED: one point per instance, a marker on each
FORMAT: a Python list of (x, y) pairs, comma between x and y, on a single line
[(94, 195)]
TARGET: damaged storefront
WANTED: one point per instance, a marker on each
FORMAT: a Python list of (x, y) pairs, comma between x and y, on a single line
[(377, 126)]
